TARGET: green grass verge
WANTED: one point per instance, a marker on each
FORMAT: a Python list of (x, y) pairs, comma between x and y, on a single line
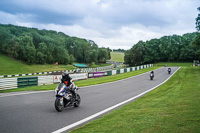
[(173, 64), (86, 82), (172, 107), (117, 56)]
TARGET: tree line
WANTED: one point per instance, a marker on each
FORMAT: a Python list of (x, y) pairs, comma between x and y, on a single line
[(173, 48), (35, 46), (119, 50)]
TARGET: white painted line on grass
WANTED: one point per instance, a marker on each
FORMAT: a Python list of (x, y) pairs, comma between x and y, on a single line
[(24, 93), (108, 109)]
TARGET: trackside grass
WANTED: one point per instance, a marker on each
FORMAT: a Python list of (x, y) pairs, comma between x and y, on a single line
[(87, 82), (171, 108), (9, 66), (117, 56)]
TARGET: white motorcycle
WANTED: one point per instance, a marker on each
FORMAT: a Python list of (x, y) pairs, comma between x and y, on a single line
[(65, 97)]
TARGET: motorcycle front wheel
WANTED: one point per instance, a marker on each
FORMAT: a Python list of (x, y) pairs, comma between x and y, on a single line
[(58, 105), (78, 100)]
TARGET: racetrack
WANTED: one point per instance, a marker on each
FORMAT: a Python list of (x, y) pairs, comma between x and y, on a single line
[(35, 112)]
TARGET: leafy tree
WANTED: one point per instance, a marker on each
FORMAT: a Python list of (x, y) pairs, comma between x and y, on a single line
[(27, 49), (72, 59), (40, 58), (93, 56), (30, 54), (198, 20), (42, 52)]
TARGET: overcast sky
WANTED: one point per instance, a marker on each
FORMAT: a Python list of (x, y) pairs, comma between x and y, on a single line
[(109, 23)]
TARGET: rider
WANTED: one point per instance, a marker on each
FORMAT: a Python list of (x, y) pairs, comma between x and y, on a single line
[(169, 70), (152, 72), (67, 80)]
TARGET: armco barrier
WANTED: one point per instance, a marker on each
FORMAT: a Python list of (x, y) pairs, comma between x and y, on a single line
[(125, 70), (114, 72), (8, 83), (27, 81), (118, 71), (109, 73), (45, 80), (85, 70)]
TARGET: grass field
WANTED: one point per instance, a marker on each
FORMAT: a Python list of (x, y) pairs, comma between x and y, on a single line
[(173, 64), (11, 66), (172, 107), (117, 56)]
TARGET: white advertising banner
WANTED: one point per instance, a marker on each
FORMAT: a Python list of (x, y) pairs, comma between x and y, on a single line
[(79, 76), (57, 78), (114, 72), (121, 70)]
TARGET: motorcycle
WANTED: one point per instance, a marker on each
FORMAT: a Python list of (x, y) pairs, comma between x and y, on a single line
[(151, 76), (65, 98), (169, 70)]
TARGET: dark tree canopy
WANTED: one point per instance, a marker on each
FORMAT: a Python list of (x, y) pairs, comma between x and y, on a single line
[(46, 46), (166, 49)]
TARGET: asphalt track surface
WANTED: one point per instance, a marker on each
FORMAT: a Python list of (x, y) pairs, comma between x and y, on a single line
[(35, 112)]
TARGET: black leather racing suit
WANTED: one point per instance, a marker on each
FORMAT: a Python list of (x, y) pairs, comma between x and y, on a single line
[(69, 83)]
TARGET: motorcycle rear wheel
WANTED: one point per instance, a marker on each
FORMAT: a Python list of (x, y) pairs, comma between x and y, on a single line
[(78, 100), (58, 105)]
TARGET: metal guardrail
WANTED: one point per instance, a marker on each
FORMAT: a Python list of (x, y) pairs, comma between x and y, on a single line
[(10, 83), (84, 70), (27, 81)]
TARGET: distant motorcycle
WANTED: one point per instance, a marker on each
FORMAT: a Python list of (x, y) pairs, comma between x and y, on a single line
[(151, 75), (65, 98), (169, 70)]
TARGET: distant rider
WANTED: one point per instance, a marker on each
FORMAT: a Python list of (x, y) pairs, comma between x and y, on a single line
[(152, 72), (169, 70), (67, 80)]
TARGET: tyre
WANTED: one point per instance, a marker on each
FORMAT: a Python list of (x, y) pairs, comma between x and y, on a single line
[(58, 105), (78, 100)]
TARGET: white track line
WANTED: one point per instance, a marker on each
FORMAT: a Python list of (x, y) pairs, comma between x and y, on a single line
[(108, 109)]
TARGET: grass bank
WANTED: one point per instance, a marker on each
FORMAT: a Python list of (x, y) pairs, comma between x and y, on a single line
[(10, 66), (173, 64), (87, 82), (117, 56), (172, 107)]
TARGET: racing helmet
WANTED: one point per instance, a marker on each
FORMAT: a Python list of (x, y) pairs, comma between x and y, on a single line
[(65, 75)]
